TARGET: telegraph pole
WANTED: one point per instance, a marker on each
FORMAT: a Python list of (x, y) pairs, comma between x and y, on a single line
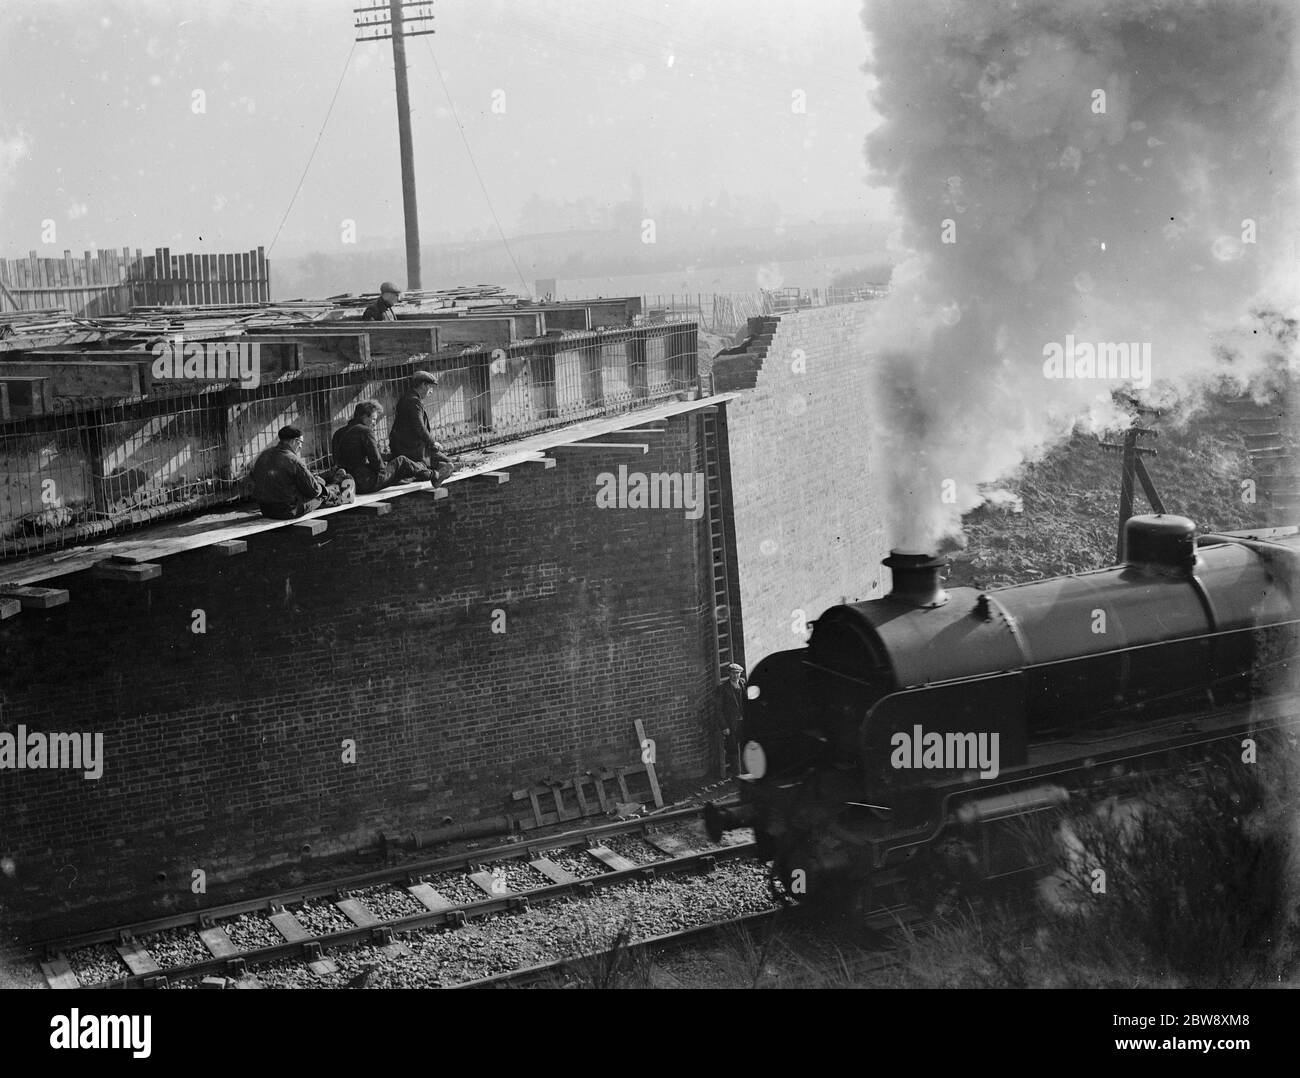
[(377, 23)]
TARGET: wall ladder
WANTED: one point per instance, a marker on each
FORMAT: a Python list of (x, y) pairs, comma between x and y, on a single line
[(722, 612)]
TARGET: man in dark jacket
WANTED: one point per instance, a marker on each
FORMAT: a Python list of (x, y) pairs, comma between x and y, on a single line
[(412, 433), (283, 486), (356, 448), (382, 309), (732, 718)]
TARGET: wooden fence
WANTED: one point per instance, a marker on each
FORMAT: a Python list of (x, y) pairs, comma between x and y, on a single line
[(112, 283)]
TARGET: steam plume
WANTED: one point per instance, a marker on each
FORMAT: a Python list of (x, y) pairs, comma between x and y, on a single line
[(1115, 171)]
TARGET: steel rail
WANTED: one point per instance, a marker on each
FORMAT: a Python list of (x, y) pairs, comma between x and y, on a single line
[(203, 918), (382, 932)]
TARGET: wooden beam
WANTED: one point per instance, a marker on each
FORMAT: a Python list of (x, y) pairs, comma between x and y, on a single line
[(500, 477), (228, 548), (134, 574), (36, 598), (642, 446), (309, 527), (378, 509)]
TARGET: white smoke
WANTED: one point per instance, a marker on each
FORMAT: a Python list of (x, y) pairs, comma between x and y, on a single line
[(1106, 171)]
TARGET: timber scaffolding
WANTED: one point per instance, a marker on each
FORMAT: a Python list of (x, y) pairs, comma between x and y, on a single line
[(102, 445)]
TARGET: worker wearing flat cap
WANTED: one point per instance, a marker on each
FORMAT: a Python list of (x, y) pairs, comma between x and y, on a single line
[(731, 718), (382, 309), (412, 433)]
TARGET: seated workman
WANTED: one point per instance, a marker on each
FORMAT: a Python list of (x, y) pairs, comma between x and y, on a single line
[(285, 488), (412, 433), (356, 449)]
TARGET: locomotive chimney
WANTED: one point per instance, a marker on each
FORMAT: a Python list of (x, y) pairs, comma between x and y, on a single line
[(916, 579), (1160, 543)]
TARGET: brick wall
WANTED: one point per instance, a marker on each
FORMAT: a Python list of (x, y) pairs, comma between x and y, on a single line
[(809, 520), (224, 750)]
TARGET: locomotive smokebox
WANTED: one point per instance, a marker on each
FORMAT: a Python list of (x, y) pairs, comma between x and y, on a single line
[(1160, 543), (916, 579)]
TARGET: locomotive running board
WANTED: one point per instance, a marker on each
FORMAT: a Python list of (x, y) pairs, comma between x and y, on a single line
[(1198, 730)]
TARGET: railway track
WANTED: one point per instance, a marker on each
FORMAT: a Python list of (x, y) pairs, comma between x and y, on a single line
[(608, 961), (378, 908)]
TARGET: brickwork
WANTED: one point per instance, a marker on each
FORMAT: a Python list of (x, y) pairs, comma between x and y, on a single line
[(809, 511), (225, 750)]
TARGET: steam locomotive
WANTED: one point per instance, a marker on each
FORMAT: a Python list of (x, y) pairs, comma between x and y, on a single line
[(924, 726)]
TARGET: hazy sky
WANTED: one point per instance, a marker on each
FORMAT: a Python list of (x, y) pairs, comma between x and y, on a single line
[(98, 128)]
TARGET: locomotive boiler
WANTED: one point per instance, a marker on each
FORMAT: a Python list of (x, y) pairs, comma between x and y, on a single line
[(931, 719)]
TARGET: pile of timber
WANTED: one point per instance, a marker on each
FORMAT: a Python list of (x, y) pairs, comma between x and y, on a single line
[(55, 328), (41, 320), (416, 301)]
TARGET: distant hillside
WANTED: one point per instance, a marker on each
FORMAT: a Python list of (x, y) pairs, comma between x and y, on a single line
[(572, 254)]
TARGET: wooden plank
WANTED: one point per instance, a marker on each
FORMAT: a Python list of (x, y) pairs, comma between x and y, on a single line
[(424, 894), (643, 447), (599, 783), (137, 959), (615, 861), (131, 574), (649, 767), (552, 871), (579, 782), (230, 548), (36, 598), (289, 927), (263, 277), (218, 942), (58, 974), (622, 785), (356, 911), (9, 607), (557, 792)]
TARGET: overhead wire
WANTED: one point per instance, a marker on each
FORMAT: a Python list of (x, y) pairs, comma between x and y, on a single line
[(474, 164), (315, 146)]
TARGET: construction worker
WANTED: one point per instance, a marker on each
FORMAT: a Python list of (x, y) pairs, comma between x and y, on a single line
[(412, 433), (382, 309), (731, 718), (356, 448), (285, 488)]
